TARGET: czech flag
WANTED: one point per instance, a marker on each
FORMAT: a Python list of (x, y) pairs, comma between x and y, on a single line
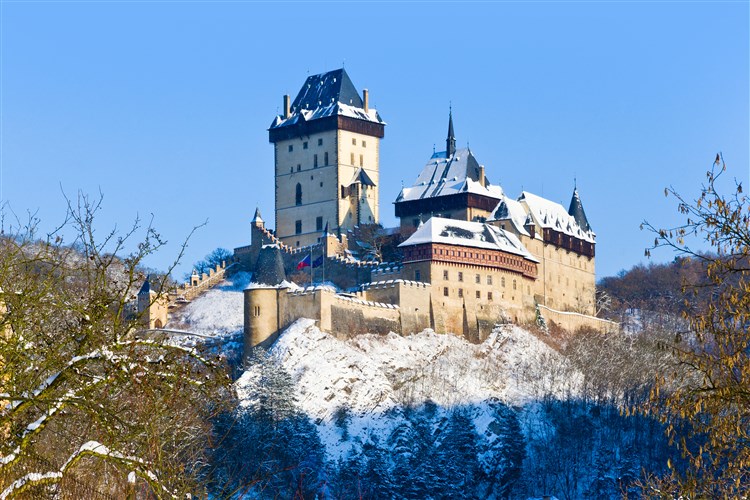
[(304, 262)]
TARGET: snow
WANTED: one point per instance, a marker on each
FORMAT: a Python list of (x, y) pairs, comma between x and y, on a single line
[(216, 313), (548, 214), (443, 177), (512, 210), (374, 377), (331, 109), (468, 234)]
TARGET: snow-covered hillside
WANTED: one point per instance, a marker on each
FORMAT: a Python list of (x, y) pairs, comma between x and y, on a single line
[(396, 412)]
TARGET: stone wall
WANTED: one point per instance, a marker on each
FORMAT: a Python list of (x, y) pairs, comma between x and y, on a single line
[(572, 321), (200, 283)]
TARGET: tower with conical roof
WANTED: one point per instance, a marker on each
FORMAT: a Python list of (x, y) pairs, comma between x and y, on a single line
[(327, 153)]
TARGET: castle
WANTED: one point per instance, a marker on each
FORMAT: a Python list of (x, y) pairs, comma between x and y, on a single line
[(471, 255)]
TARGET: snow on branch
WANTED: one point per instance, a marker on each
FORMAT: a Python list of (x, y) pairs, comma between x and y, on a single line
[(90, 448)]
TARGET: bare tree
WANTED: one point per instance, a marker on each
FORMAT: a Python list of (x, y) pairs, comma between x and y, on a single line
[(90, 407)]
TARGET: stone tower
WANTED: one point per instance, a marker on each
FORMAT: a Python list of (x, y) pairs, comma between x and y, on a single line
[(327, 156)]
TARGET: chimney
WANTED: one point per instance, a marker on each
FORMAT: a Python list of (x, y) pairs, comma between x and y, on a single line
[(287, 112), (366, 99), (481, 176)]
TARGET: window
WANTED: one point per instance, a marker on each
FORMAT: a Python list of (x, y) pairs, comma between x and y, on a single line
[(364, 144), (460, 276), (298, 228), (298, 194), (417, 275), (299, 167), (489, 296), (479, 294), (445, 291), (291, 170), (445, 275), (351, 159), (325, 158), (318, 223), (354, 141), (315, 161), (291, 148), (460, 292), (478, 279), (514, 284), (502, 282), (320, 142), (361, 160), (304, 145), (489, 279), (321, 183)]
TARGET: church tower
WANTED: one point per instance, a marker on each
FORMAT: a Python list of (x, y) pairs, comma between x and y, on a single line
[(326, 156)]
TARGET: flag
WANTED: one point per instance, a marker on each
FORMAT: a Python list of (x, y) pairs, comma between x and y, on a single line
[(318, 262), (304, 262)]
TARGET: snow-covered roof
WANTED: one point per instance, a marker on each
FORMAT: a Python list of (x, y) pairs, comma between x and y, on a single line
[(467, 234), (513, 211), (324, 110), (443, 176), (327, 94), (548, 214)]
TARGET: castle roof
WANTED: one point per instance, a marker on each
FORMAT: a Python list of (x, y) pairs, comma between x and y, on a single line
[(468, 234), (548, 214), (576, 210), (269, 269), (512, 211), (324, 95), (443, 176), (146, 287), (360, 176), (257, 218)]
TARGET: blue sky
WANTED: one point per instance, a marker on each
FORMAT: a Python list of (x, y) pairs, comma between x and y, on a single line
[(164, 106)]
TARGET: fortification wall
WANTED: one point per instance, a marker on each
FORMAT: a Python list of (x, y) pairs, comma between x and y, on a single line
[(413, 299), (199, 284), (572, 321), (354, 316)]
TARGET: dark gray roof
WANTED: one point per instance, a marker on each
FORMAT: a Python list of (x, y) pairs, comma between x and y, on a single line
[(257, 217), (576, 210), (327, 88), (362, 177), (269, 269), (146, 288)]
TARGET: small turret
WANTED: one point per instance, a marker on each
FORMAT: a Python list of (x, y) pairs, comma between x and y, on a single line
[(576, 210), (257, 219)]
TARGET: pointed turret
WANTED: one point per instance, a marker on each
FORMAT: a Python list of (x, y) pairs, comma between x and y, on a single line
[(146, 288), (257, 219), (576, 210), (450, 142)]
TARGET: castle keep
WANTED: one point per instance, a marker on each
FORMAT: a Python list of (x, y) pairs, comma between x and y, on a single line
[(326, 160), (471, 256)]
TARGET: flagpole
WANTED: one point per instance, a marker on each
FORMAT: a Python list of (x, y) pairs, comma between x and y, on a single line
[(311, 266)]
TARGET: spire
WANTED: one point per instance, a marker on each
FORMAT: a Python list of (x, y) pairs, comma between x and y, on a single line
[(450, 142), (576, 210), (146, 288), (257, 219)]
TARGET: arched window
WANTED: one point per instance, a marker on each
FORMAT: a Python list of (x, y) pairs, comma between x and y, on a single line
[(298, 194)]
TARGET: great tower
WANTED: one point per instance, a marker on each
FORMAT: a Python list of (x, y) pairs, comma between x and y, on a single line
[(327, 160)]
